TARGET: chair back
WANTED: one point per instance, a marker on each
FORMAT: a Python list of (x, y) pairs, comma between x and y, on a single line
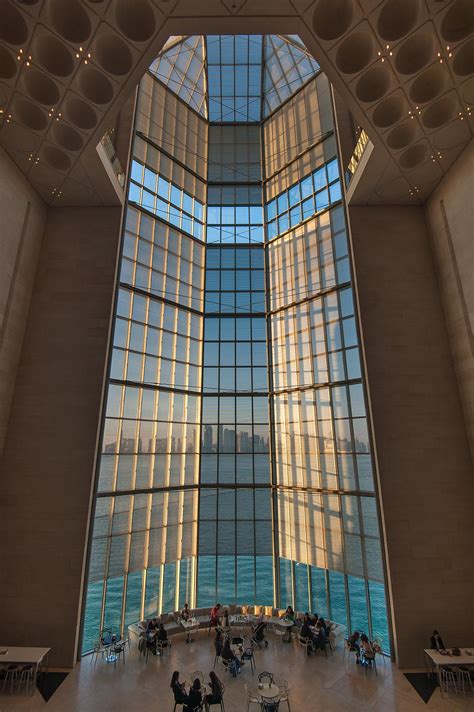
[(263, 676)]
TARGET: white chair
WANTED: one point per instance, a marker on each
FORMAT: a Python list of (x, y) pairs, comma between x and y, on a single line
[(284, 693), (253, 697), (377, 647), (305, 643), (465, 674)]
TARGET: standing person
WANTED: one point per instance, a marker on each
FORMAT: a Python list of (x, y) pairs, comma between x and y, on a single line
[(180, 696), (194, 697), (215, 614), (215, 696), (436, 642)]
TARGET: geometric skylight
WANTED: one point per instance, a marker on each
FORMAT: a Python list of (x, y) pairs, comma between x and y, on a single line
[(234, 78)]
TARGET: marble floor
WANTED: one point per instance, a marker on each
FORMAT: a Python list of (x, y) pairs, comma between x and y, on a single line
[(332, 685)]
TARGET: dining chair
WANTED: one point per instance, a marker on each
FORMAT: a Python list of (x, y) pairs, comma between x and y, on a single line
[(305, 643), (221, 703), (266, 677), (253, 697), (119, 651), (248, 655), (284, 693), (199, 675)]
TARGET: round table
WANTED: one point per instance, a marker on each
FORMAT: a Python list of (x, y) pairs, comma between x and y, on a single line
[(268, 691)]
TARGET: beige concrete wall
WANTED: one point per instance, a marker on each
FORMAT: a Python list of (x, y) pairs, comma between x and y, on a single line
[(22, 216), (450, 216), (48, 462), (425, 474)]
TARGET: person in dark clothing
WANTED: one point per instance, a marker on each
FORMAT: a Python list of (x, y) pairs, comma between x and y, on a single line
[(178, 688), (194, 697), (215, 696), (161, 638), (436, 642), (319, 639), (321, 623), (354, 644), (307, 633), (227, 654), (219, 642)]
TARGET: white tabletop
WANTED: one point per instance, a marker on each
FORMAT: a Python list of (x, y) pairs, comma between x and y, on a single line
[(190, 623), (281, 621), (268, 691), (239, 618), (463, 659), (22, 655)]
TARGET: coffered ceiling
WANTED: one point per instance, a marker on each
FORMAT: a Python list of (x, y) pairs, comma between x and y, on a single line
[(404, 67)]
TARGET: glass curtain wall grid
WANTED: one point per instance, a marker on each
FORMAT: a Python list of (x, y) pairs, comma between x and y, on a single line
[(236, 459)]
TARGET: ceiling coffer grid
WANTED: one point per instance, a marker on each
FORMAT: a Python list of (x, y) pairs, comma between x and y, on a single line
[(405, 67)]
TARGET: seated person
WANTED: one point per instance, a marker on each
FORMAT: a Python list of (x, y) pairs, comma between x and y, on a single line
[(436, 642), (228, 655), (194, 697), (180, 696), (162, 636), (219, 642), (152, 626), (215, 695), (319, 638), (289, 614), (307, 633), (366, 649), (215, 614), (185, 614), (354, 644), (321, 623)]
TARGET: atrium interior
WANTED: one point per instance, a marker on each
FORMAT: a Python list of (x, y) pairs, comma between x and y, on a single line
[(236, 351)]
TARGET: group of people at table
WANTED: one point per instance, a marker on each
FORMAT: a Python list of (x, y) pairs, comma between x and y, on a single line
[(196, 696)]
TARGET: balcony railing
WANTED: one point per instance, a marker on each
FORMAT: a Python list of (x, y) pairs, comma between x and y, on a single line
[(109, 150), (359, 149)]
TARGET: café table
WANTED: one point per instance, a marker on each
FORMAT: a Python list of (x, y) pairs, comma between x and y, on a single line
[(447, 659), (12, 655), (284, 623), (189, 625), (268, 691), (108, 642)]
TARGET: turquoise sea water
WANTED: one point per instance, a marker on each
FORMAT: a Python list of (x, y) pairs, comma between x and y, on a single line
[(358, 614)]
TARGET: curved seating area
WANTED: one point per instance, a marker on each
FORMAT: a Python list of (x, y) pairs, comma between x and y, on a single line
[(202, 615)]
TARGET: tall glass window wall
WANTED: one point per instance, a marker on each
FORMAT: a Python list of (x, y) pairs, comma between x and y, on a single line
[(236, 457)]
